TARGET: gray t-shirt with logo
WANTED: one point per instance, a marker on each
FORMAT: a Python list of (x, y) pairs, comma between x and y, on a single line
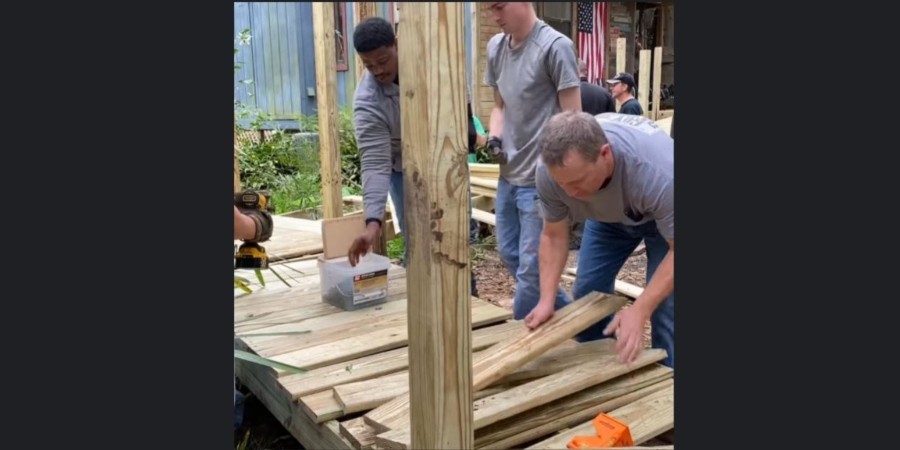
[(643, 183), (529, 79)]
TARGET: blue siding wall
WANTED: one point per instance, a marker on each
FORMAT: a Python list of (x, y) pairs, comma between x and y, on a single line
[(280, 59)]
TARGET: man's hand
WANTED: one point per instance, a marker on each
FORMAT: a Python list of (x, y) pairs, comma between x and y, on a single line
[(360, 247), (628, 326), (540, 314)]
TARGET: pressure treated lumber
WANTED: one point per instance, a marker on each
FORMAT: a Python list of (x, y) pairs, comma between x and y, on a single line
[(507, 356), (573, 409), (646, 418), (369, 394), (379, 364), (544, 390), (351, 347), (326, 100), (433, 127), (558, 385)]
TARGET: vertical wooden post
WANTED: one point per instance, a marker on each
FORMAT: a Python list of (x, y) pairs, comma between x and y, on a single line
[(237, 171), (364, 10), (657, 81), (621, 55), (433, 123), (644, 82), (326, 100)]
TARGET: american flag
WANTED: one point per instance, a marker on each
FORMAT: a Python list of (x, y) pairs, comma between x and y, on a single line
[(591, 38)]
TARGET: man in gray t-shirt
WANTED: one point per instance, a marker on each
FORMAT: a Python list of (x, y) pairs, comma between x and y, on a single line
[(534, 73), (618, 172)]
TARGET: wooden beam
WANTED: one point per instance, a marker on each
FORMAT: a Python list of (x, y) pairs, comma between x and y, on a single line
[(237, 172), (362, 10), (507, 356), (657, 81), (326, 101), (572, 410), (644, 82), (646, 418), (513, 353), (621, 59), (433, 123)]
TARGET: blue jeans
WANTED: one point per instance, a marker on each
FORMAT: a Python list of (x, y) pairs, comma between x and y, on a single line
[(397, 197), (604, 249), (519, 227)]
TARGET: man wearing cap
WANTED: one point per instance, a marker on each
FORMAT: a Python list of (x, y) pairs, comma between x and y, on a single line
[(617, 171), (623, 89)]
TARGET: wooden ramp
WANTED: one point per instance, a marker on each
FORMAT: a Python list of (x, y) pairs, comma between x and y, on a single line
[(358, 367), (293, 325), (293, 238)]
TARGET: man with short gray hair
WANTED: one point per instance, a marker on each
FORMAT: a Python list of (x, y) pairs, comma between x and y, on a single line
[(617, 172)]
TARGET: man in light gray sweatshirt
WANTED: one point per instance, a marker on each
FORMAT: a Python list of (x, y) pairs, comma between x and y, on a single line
[(376, 121)]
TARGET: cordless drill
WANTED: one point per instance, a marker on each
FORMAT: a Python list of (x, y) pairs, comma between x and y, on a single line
[(258, 206)]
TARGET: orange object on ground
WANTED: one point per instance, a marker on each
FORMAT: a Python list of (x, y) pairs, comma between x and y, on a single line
[(610, 433)]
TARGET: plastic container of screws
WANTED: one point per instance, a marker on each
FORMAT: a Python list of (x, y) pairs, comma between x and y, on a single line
[(351, 288)]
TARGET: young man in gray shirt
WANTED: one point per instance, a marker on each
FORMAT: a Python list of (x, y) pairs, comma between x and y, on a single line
[(376, 122), (617, 171), (534, 73)]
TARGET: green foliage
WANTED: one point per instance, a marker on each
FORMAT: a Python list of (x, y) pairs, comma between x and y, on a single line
[(350, 166), (395, 248)]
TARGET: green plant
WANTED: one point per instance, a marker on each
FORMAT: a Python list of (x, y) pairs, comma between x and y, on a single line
[(351, 171), (395, 248)]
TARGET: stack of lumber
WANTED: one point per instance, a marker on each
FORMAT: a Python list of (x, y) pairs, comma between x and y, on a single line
[(530, 385)]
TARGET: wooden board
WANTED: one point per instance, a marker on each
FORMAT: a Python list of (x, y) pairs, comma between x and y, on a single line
[(436, 225), (372, 393), (646, 418), (338, 234), (622, 287), (567, 322), (380, 364), (359, 345), (572, 410), (556, 386), (326, 102), (271, 387), (509, 355), (484, 217), (657, 81), (644, 82)]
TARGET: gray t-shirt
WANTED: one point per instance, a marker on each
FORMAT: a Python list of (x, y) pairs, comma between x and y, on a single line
[(529, 79), (643, 183)]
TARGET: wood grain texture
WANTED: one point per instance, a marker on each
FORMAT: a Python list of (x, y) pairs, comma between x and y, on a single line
[(370, 394), (558, 385), (646, 418), (384, 339), (379, 364), (573, 409), (512, 353), (644, 82), (507, 356), (657, 81), (321, 406), (432, 57), (326, 100)]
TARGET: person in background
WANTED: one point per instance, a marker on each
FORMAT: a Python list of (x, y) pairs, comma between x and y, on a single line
[(623, 89)]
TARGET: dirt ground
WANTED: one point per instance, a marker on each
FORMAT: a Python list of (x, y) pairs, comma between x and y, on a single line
[(495, 285)]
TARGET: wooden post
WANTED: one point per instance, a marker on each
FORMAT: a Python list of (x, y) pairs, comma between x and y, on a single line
[(363, 11), (237, 171), (326, 100), (644, 82), (657, 81), (433, 123), (621, 55)]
